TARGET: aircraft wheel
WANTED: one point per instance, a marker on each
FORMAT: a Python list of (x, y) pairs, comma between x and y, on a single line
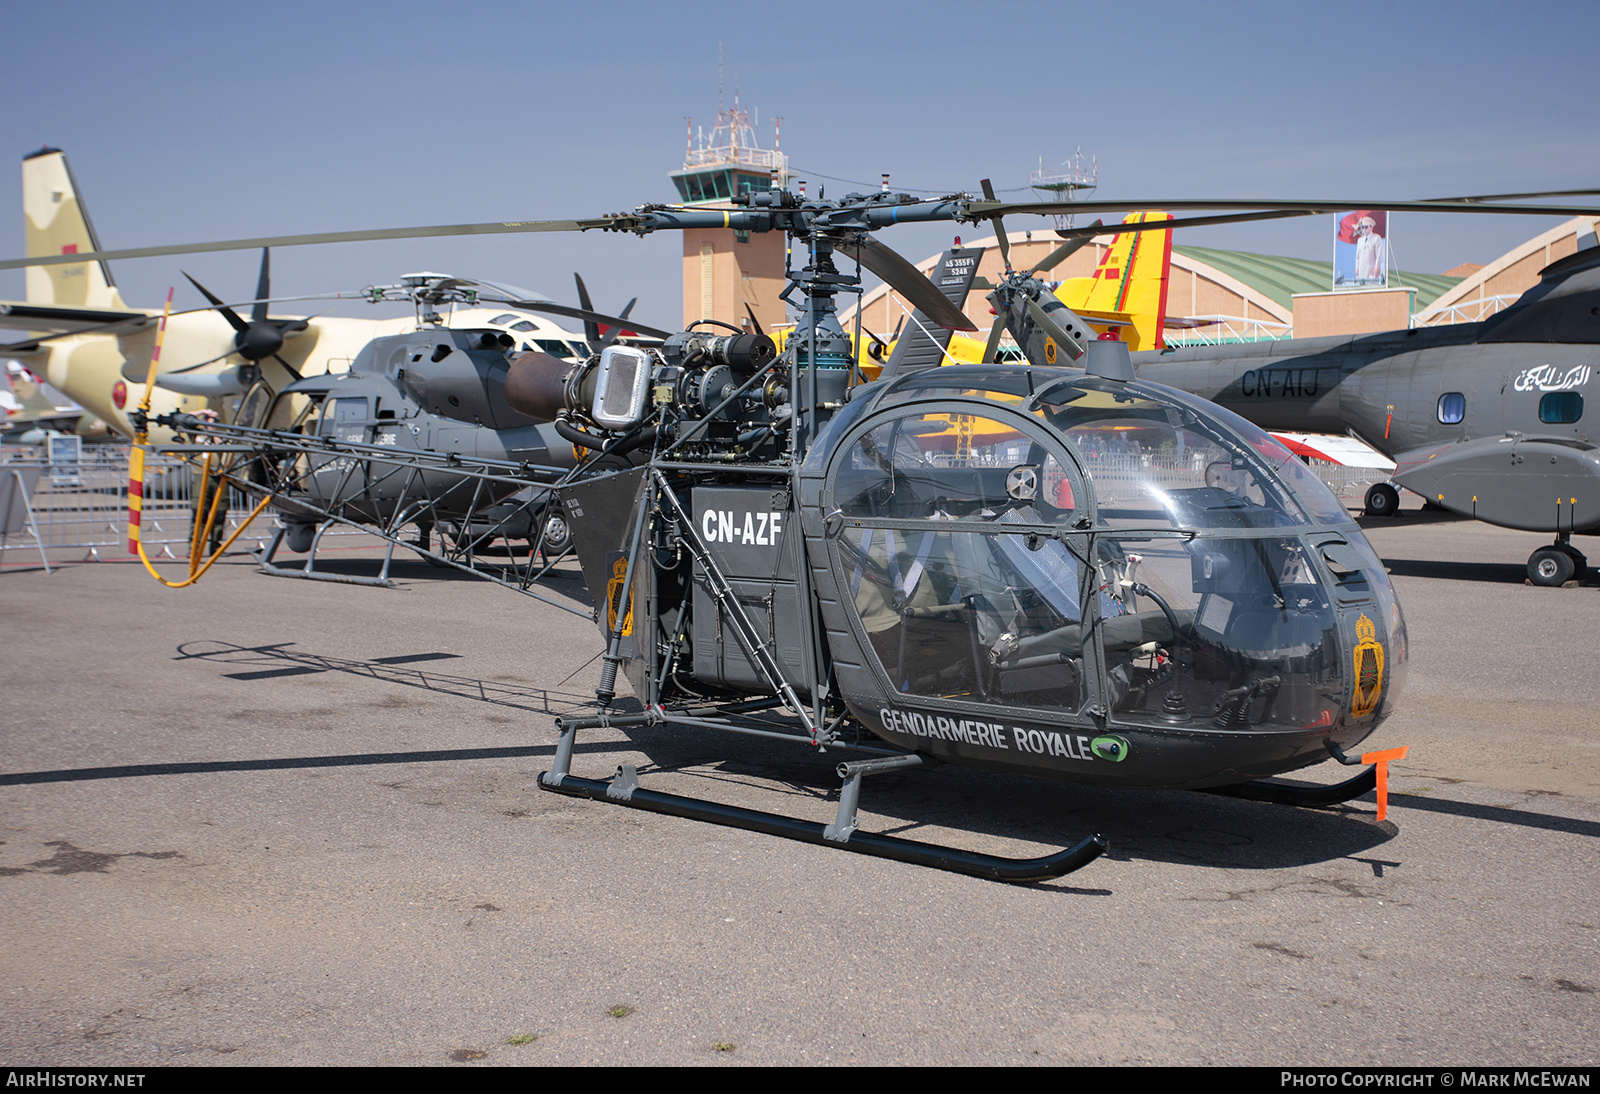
[(1579, 560), (1551, 567), (1383, 500), (557, 536)]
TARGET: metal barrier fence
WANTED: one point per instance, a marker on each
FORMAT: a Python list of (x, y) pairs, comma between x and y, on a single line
[(78, 508)]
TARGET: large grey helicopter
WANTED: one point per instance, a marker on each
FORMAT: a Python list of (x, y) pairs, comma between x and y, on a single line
[(1035, 568)]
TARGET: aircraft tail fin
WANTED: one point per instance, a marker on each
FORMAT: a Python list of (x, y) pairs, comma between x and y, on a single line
[(56, 223), (1128, 290)]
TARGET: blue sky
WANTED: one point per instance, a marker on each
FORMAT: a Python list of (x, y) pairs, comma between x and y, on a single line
[(188, 122)]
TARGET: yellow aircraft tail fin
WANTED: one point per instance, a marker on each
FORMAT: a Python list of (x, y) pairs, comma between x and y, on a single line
[(1128, 290), (56, 223)]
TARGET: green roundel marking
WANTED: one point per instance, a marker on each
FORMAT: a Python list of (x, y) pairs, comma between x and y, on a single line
[(1110, 747)]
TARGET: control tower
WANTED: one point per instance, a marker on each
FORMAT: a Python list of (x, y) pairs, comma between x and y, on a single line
[(1071, 180), (727, 271)]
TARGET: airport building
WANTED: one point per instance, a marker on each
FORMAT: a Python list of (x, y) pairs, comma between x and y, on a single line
[(1217, 295)]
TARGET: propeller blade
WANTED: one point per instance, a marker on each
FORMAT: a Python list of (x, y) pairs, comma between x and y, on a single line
[(227, 313), (613, 333), (755, 324), (584, 313), (258, 314), (287, 367), (591, 329), (1063, 252), (999, 228), (909, 282)]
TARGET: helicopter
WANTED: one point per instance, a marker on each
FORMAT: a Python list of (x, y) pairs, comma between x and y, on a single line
[(426, 407), (1050, 568)]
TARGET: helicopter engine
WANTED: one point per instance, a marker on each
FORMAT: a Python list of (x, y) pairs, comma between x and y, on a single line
[(699, 381)]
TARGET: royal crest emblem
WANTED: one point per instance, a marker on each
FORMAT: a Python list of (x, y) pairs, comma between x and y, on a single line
[(1369, 669)]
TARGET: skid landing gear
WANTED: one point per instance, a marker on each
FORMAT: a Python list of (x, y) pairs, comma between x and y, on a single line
[(624, 789)]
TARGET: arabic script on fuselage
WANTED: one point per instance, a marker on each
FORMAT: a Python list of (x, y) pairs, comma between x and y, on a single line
[(1546, 378)]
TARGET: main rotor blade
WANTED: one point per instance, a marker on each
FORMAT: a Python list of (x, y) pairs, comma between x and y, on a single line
[(490, 228), (1063, 252), (755, 323), (1521, 197), (983, 210), (994, 338), (910, 283)]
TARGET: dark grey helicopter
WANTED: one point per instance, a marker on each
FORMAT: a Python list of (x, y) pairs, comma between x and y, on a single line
[(1484, 419), (1035, 568)]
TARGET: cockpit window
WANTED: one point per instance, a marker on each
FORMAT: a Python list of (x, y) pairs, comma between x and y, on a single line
[(1157, 462), (557, 348), (503, 320), (523, 326), (952, 467)]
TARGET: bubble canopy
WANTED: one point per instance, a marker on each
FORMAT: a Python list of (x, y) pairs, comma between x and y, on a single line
[(1119, 555)]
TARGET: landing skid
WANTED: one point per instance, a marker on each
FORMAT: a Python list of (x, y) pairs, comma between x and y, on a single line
[(1309, 797), (624, 789)]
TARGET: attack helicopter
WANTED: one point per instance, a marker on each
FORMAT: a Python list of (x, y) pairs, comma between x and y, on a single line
[(1051, 568)]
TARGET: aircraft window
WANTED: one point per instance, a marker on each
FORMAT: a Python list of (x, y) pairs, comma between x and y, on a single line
[(1237, 633), (951, 467), (557, 348), (253, 410), (1151, 473), (502, 320), (1561, 407), (948, 612), (523, 327), (346, 419), (1452, 407), (1010, 386)]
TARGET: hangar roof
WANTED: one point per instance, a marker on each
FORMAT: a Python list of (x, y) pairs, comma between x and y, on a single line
[(1280, 278)]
